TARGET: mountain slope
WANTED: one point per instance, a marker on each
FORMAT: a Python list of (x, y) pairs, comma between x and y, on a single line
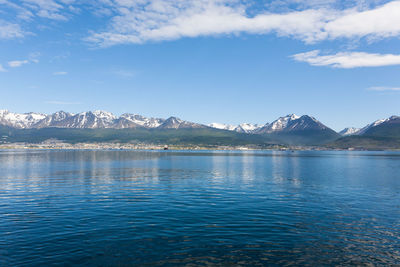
[(382, 134), (292, 123), (20, 121), (299, 130), (241, 128), (222, 126), (388, 128), (176, 123), (133, 120)]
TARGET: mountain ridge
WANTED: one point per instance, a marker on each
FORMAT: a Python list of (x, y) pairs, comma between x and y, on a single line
[(379, 135), (97, 119)]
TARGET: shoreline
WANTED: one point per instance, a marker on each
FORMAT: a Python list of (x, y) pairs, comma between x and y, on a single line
[(151, 147)]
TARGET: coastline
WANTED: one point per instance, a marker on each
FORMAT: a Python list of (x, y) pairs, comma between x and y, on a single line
[(143, 146)]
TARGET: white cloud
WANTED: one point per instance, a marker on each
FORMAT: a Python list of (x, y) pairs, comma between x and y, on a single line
[(348, 60), (140, 21), (33, 58), (383, 21), (17, 63), (10, 30), (170, 20), (384, 88), (50, 9), (60, 73), (156, 20)]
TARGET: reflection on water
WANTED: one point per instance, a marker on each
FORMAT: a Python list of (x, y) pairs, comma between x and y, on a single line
[(199, 208)]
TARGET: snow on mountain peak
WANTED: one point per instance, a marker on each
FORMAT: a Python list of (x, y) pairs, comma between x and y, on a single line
[(21, 121), (222, 126), (104, 119), (282, 122), (104, 114), (293, 117), (249, 126), (369, 126), (349, 131), (241, 128), (142, 121)]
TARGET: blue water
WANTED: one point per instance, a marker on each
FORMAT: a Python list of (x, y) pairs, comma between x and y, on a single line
[(123, 208)]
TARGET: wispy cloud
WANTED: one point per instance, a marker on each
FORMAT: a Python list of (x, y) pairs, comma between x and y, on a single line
[(33, 58), (347, 60), (60, 73), (2, 69), (17, 63), (384, 88), (10, 30), (28, 10), (125, 73), (50, 9), (137, 22), (153, 20), (170, 20), (55, 102)]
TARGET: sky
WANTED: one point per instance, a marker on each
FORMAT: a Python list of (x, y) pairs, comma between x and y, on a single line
[(226, 61)]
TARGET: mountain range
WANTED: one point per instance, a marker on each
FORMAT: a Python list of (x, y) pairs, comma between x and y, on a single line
[(288, 130), (89, 120), (381, 134)]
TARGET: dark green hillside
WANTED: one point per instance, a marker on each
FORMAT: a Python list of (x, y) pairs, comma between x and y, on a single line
[(305, 137), (387, 129), (366, 142), (190, 136), (203, 136)]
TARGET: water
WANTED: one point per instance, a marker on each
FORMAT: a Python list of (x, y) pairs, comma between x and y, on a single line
[(157, 208)]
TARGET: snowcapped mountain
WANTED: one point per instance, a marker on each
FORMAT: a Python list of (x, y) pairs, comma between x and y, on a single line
[(133, 120), (374, 124), (357, 131), (287, 123), (102, 119), (20, 121), (279, 124), (394, 119), (382, 134), (176, 123), (90, 120), (247, 128), (383, 127), (93, 120), (222, 126), (349, 131), (291, 123), (53, 120), (241, 128)]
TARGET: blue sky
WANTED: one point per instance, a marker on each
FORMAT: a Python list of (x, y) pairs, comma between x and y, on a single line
[(205, 60)]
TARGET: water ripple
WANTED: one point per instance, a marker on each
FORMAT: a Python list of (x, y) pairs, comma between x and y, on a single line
[(209, 208)]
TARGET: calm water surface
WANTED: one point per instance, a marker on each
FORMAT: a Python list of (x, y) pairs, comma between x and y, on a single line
[(148, 208)]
